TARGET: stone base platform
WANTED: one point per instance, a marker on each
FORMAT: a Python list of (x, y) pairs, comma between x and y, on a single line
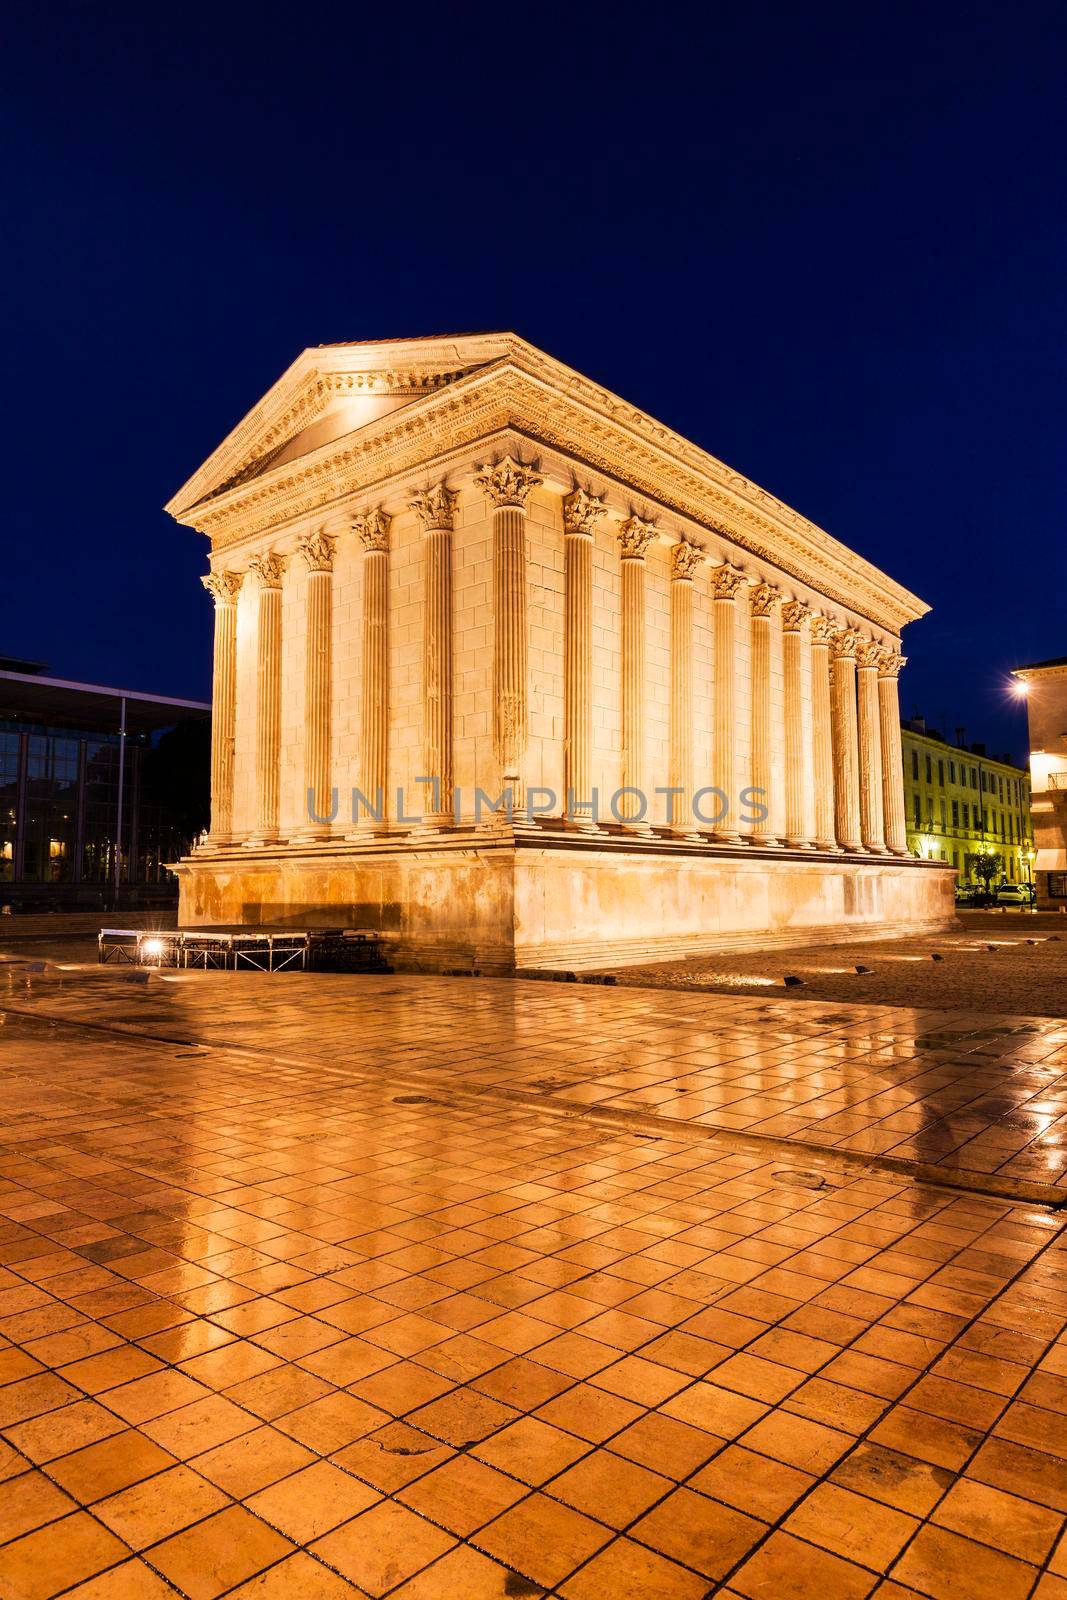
[(522, 899)]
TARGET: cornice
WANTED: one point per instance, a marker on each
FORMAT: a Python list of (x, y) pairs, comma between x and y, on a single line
[(527, 390)]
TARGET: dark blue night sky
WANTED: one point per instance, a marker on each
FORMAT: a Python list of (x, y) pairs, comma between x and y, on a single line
[(826, 244)]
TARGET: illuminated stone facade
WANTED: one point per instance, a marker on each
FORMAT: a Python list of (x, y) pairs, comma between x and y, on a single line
[(458, 560), (1044, 684)]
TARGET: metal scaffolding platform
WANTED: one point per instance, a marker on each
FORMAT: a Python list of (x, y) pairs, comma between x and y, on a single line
[(259, 950)]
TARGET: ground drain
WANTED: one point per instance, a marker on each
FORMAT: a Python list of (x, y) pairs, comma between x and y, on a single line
[(413, 1100)]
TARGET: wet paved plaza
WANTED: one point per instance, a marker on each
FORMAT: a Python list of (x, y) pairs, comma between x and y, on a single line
[(314, 1287)]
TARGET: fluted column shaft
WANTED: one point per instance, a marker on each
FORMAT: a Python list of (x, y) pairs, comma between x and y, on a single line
[(822, 631), (634, 538), (508, 483), (268, 569), (799, 787), (872, 825), (896, 835), (764, 603), (685, 558), (581, 513), (223, 587), (372, 531), (317, 551), (436, 511), (727, 582), (846, 742)]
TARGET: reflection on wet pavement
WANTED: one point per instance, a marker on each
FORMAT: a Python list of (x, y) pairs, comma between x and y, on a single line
[(967, 1093), (276, 1323)]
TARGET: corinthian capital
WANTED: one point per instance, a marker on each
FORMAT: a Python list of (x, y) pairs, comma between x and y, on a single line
[(222, 586), (795, 616), (582, 512), (372, 530), (844, 643), (635, 536), (317, 550), (508, 482), (822, 630), (890, 664), (268, 568), (435, 508), (685, 559), (727, 581), (869, 653), (763, 599)]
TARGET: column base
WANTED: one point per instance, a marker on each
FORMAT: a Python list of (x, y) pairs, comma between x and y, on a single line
[(372, 830), (876, 849), (579, 825), (261, 840), (766, 841), (829, 847), (313, 834), (726, 836), (801, 844)]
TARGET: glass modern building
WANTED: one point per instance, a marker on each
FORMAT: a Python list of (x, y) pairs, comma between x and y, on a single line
[(99, 789)]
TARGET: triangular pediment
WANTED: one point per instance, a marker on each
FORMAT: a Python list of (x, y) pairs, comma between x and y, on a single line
[(329, 392)]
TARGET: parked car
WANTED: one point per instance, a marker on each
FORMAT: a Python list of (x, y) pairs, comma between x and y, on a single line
[(1013, 894), (966, 894)]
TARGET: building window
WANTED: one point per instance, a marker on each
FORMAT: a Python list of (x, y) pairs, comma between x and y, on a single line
[(915, 765), (955, 813), (941, 774), (952, 772), (944, 818), (974, 777), (917, 808), (966, 814), (1057, 885)]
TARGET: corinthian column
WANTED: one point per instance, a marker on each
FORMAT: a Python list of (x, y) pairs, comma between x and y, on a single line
[(372, 530), (268, 569), (727, 582), (508, 484), (764, 600), (822, 747), (317, 551), (635, 537), (581, 513), (845, 740), (872, 827), (799, 788), (896, 836), (436, 510), (685, 558), (223, 588)]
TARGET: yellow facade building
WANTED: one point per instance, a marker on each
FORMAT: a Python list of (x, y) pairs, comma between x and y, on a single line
[(962, 803)]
